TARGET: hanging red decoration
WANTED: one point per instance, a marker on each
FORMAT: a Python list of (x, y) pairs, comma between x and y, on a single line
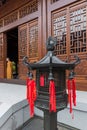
[(31, 95), (52, 102), (42, 80), (71, 93), (74, 91)]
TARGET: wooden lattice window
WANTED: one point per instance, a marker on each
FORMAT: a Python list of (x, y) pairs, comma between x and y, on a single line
[(78, 30), (22, 42), (33, 39), (28, 9), (1, 47), (59, 32)]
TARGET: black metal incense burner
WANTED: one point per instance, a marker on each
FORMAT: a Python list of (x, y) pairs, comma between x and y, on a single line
[(51, 68)]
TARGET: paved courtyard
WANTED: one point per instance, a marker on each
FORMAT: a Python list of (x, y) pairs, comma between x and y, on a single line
[(11, 94)]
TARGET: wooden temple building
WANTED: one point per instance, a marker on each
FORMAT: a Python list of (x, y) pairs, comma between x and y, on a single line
[(25, 26)]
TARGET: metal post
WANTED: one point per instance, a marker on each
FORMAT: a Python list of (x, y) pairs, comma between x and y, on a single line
[(50, 120)]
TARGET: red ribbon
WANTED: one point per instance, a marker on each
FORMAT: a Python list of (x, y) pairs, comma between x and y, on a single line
[(52, 102), (31, 95), (71, 93)]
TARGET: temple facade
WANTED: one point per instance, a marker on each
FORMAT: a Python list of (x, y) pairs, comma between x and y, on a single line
[(25, 26)]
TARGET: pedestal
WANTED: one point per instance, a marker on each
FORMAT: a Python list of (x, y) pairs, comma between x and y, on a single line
[(50, 120)]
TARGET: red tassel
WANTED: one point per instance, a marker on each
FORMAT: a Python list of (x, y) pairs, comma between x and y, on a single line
[(52, 102), (34, 91), (31, 95), (42, 80), (71, 93), (74, 92)]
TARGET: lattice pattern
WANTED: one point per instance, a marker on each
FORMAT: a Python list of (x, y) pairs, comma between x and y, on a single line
[(1, 47), (23, 42), (78, 31), (33, 40), (53, 1), (59, 31), (11, 18), (28, 9)]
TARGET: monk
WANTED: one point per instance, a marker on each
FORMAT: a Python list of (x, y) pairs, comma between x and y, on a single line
[(9, 68)]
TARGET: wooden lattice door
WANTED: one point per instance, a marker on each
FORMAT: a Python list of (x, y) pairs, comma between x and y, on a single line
[(22, 49), (28, 45), (69, 26), (78, 41)]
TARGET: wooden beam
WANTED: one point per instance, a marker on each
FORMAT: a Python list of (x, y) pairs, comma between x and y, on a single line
[(61, 4)]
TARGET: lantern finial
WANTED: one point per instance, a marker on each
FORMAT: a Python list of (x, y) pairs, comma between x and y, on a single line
[(51, 43)]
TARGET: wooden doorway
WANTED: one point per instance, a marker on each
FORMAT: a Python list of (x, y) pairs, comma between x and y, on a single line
[(12, 46)]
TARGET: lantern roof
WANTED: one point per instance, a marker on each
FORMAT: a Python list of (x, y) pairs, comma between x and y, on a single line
[(50, 59)]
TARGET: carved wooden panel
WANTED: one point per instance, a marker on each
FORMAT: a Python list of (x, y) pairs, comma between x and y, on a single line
[(33, 39), (11, 5), (23, 11), (59, 31), (11, 18), (31, 7), (22, 41), (78, 30), (1, 46)]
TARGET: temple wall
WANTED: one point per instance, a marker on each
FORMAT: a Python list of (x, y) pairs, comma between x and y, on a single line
[(36, 20)]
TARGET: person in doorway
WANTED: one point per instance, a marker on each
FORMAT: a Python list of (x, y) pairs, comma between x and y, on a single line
[(9, 68), (14, 69)]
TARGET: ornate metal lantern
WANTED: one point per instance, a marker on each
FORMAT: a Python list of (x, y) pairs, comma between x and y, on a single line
[(51, 84)]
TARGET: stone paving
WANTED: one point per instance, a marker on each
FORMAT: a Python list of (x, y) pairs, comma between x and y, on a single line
[(11, 94)]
